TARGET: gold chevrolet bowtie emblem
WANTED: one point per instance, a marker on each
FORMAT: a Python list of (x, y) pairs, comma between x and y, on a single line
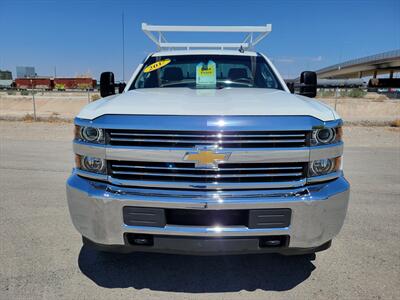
[(207, 157)]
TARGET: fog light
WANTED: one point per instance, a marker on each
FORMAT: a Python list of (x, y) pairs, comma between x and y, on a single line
[(91, 164), (324, 166)]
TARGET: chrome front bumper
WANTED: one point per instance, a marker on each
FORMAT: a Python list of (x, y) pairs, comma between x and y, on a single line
[(318, 211)]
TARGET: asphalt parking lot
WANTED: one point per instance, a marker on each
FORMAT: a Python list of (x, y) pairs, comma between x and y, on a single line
[(41, 256)]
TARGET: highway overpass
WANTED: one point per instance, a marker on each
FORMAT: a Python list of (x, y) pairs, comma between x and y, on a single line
[(373, 65)]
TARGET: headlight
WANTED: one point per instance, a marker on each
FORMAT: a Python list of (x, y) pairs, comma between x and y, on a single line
[(89, 134), (91, 164), (324, 166), (326, 136)]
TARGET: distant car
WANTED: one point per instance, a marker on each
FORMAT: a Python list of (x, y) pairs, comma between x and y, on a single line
[(206, 151)]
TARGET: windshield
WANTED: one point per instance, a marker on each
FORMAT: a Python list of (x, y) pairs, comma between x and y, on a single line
[(206, 71)]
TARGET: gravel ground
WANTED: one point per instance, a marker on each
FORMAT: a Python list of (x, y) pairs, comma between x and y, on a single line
[(41, 256)]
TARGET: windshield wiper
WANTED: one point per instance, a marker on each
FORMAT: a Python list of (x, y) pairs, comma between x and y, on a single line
[(177, 83), (219, 84), (249, 82)]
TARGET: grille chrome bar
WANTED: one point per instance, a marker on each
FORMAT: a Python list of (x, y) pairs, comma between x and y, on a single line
[(216, 176), (188, 176), (190, 139), (205, 169), (207, 136), (208, 142), (193, 185)]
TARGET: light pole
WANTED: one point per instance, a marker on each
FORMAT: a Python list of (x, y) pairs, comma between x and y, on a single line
[(33, 100), (123, 47)]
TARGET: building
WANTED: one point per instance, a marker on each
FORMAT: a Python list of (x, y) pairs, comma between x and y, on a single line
[(5, 79), (26, 72)]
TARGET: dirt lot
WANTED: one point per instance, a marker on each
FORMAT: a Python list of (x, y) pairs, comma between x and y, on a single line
[(41, 255), (373, 109), (60, 104)]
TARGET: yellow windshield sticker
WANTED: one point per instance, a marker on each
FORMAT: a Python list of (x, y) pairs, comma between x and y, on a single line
[(157, 65)]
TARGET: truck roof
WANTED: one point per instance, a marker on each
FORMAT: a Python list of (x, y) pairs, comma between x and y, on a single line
[(204, 51)]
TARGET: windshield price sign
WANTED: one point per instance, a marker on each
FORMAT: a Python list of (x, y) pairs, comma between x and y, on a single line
[(206, 74)]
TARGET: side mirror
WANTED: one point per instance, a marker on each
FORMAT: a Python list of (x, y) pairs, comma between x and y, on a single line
[(121, 87), (308, 84), (107, 84), (290, 86)]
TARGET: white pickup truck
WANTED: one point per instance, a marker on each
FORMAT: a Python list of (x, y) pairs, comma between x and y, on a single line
[(207, 151)]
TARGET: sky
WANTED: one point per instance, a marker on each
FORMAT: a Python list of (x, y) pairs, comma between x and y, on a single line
[(76, 37)]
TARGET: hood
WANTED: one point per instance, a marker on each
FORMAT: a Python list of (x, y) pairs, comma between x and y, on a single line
[(198, 102)]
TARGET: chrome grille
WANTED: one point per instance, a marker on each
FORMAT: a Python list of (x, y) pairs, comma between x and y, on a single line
[(190, 139), (225, 173)]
